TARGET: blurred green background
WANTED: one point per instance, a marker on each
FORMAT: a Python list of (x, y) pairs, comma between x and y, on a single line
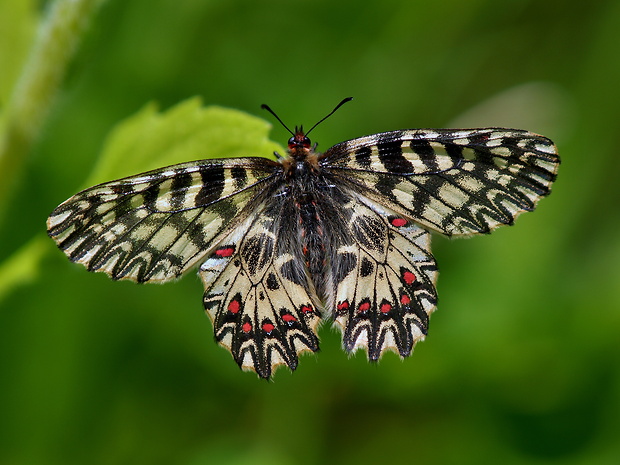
[(522, 360)]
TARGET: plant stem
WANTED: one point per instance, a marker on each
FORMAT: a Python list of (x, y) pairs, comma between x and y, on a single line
[(30, 101)]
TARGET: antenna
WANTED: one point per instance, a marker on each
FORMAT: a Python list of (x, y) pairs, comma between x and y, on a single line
[(348, 99), (266, 107)]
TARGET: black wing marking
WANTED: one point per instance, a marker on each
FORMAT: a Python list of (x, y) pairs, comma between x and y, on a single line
[(156, 225), (453, 181)]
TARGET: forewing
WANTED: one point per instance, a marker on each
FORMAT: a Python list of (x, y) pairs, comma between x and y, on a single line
[(452, 181), (156, 225), (385, 282), (259, 297)]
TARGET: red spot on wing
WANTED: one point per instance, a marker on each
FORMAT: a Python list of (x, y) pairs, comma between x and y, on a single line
[(247, 327), (405, 299), (225, 251), (385, 307), (364, 307), (234, 306), (307, 309), (398, 222), (409, 277), (289, 318), (268, 327), (343, 305)]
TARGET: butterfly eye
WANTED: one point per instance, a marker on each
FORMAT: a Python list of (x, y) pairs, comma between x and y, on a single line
[(299, 141)]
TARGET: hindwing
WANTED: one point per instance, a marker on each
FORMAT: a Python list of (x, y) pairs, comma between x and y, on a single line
[(259, 299), (384, 298)]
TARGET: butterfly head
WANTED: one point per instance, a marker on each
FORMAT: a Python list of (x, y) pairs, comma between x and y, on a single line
[(299, 146)]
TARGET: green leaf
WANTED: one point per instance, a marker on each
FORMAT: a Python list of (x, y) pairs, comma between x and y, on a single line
[(186, 132)]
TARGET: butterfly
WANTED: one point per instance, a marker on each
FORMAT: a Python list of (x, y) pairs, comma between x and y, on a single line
[(282, 244)]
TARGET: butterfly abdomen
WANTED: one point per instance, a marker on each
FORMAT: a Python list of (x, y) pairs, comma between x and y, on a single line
[(311, 233)]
